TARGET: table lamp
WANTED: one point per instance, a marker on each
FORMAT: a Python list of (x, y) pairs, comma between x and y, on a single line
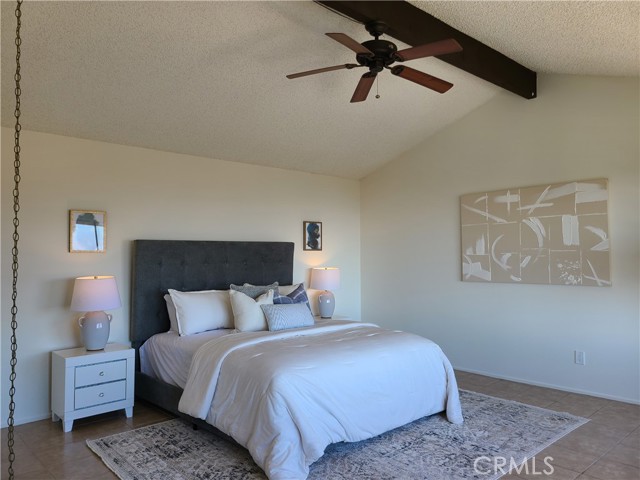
[(325, 278), (93, 295)]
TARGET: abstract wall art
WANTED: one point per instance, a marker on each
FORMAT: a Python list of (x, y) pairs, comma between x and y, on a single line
[(555, 234), (87, 231), (311, 235)]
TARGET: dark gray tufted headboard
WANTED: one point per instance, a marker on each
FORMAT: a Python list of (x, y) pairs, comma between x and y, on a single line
[(197, 265)]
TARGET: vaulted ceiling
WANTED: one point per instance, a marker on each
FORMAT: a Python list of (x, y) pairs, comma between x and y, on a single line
[(208, 78)]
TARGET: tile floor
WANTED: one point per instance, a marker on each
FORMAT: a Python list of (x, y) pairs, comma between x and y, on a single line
[(606, 448)]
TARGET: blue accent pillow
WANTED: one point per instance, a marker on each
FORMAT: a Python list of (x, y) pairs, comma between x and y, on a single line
[(299, 295), (283, 317)]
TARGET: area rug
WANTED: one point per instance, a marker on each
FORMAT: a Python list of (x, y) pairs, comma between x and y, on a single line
[(496, 434)]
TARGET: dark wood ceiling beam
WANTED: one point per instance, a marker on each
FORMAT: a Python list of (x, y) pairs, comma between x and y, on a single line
[(414, 26)]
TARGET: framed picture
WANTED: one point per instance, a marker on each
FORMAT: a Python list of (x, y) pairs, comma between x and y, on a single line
[(311, 235), (87, 231)]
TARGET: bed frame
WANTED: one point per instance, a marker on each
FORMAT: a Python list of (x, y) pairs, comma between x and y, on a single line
[(189, 265)]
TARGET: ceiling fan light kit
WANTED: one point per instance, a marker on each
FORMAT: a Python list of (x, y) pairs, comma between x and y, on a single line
[(377, 54)]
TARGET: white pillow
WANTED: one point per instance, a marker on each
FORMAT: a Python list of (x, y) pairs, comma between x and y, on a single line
[(201, 311), (247, 314), (285, 316), (171, 310)]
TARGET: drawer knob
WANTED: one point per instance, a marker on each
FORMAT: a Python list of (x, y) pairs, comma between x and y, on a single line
[(101, 395), (102, 374)]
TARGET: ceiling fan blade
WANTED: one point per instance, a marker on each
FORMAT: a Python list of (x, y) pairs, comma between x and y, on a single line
[(322, 70), (421, 78), (363, 88), (350, 43), (429, 50)]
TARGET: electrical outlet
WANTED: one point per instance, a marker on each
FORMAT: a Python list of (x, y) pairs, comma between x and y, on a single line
[(579, 357)]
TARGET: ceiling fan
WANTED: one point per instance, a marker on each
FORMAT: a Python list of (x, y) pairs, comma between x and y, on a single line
[(378, 54)]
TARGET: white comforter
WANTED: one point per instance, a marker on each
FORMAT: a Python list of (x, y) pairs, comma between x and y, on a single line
[(286, 395)]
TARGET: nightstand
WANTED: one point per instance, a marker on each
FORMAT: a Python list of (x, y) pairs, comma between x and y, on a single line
[(318, 318), (85, 383)]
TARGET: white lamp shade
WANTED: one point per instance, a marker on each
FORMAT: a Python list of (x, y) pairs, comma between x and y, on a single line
[(92, 294), (325, 278)]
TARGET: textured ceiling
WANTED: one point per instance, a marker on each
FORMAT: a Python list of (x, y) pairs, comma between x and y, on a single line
[(208, 78), (570, 37)]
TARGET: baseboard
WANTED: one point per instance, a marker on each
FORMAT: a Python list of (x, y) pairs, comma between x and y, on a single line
[(549, 385), (23, 420)]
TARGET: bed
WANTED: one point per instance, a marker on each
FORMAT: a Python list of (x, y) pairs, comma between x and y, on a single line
[(284, 395)]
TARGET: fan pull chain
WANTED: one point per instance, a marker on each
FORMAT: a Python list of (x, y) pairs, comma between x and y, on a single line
[(14, 250), (377, 81)]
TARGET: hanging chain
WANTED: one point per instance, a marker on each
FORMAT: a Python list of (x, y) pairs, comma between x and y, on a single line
[(14, 250)]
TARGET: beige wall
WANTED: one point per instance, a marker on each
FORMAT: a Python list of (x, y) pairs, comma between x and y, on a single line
[(152, 195), (578, 128), (406, 214)]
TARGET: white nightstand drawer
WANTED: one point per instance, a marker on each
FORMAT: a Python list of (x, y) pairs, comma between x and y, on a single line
[(100, 373), (99, 394)]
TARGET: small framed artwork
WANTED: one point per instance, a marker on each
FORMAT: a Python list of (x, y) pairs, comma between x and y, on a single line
[(312, 235), (87, 231)]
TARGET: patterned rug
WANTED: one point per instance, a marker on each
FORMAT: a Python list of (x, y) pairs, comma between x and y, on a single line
[(496, 434)]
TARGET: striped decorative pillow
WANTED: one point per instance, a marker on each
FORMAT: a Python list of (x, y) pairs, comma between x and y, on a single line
[(298, 295)]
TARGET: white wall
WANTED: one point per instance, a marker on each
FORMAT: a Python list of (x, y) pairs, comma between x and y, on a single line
[(152, 195), (578, 128)]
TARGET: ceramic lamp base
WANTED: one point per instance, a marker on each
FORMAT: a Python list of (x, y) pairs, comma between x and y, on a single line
[(326, 304), (95, 327)]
